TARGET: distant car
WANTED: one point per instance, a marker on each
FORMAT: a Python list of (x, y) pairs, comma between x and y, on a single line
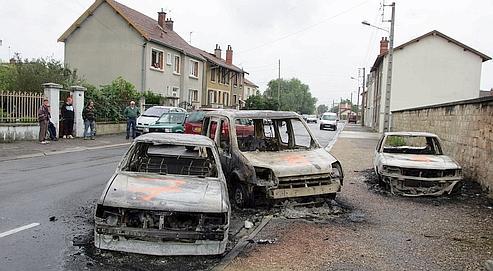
[(171, 122), (413, 164), (352, 119), (311, 118), (151, 115), (193, 124), (165, 200), (271, 154), (329, 120)]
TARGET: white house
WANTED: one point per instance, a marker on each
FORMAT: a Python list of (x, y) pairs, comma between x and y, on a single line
[(430, 69)]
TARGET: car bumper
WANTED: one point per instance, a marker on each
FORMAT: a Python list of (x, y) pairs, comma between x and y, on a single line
[(141, 242), (415, 186), (281, 193), (330, 126)]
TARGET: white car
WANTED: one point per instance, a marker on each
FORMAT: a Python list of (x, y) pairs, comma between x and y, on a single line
[(151, 115), (413, 164), (311, 118), (329, 120)]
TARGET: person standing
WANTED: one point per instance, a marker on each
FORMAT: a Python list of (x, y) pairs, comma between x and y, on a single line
[(43, 119), (89, 116), (68, 118), (131, 112)]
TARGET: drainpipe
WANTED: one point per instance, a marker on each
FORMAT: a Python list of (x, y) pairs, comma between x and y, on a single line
[(143, 81)]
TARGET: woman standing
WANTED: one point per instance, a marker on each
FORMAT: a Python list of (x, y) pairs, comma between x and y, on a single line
[(68, 118), (89, 117)]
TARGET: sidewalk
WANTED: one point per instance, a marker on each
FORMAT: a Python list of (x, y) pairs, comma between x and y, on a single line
[(25, 149), (378, 231)]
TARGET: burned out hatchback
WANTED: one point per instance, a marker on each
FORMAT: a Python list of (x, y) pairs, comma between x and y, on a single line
[(413, 164), (164, 199), (271, 154)]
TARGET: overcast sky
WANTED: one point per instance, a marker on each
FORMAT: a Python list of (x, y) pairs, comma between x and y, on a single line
[(321, 42)]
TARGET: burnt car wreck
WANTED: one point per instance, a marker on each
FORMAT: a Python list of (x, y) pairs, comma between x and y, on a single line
[(413, 164), (165, 199), (271, 154)]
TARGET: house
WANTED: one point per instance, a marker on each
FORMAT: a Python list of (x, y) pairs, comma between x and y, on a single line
[(485, 93), (110, 40), (249, 89), (224, 81), (430, 69)]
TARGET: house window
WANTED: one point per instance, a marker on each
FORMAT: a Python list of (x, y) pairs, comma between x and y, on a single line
[(176, 68), (225, 98), (226, 78), (157, 59), (193, 95), (194, 68), (169, 61), (235, 79), (220, 77), (213, 75), (175, 91), (234, 99)]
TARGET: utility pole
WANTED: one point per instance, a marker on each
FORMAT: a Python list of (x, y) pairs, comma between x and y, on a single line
[(357, 98), (352, 100), (279, 88), (363, 100), (190, 40), (386, 121)]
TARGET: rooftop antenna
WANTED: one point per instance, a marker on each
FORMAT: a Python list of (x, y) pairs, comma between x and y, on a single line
[(190, 40)]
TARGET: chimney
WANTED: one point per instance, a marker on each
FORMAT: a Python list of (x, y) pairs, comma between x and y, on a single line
[(384, 46), (229, 55), (217, 51), (169, 24), (161, 18)]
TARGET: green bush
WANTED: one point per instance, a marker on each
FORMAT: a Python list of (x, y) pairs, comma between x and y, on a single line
[(153, 98)]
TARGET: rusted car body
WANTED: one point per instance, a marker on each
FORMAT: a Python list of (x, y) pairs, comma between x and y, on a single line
[(165, 200), (413, 164), (277, 157)]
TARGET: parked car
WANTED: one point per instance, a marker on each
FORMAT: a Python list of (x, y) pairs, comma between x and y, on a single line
[(171, 122), (329, 120), (193, 124), (151, 115), (311, 118), (165, 200), (277, 157), (413, 164), (352, 119)]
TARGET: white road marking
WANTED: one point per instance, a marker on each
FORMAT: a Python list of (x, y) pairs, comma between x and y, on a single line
[(16, 230)]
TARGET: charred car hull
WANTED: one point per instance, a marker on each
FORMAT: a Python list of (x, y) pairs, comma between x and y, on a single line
[(412, 187)]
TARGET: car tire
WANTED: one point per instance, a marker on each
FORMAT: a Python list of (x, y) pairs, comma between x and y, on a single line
[(242, 198)]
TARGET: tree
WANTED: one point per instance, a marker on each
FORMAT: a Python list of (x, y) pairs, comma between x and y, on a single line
[(322, 108), (294, 96)]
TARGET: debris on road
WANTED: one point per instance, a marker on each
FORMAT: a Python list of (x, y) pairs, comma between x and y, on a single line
[(248, 224)]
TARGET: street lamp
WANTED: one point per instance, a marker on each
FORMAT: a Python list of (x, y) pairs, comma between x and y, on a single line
[(370, 25)]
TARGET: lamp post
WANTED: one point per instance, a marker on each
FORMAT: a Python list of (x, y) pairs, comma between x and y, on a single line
[(388, 87)]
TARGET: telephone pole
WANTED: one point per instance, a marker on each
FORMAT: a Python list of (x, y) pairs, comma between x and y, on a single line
[(363, 100), (386, 120), (279, 88)]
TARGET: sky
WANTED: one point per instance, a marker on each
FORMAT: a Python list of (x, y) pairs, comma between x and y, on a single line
[(320, 42)]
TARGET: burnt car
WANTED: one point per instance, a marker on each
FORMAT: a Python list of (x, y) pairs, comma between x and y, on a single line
[(413, 164), (165, 200), (271, 154)]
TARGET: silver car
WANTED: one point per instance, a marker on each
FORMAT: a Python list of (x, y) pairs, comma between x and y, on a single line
[(413, 164), (164, 199)]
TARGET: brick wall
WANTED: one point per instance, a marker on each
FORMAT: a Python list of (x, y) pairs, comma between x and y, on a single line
[(466, 131)]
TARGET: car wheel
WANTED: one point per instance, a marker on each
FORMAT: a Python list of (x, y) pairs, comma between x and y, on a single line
[(241, 196)]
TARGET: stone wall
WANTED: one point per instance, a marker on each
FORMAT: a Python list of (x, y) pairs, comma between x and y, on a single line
[(466, 131), (105, 128), (18, 131)]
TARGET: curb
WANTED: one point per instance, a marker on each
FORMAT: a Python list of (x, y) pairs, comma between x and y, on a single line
[(70, 150), (334, 139)]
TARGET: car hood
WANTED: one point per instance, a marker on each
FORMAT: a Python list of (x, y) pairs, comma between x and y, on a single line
[(293, 163), (419, 161), (145, 120), (166, 125), (168, 193)]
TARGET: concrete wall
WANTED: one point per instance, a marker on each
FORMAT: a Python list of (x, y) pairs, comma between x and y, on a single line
[(105, 37), (105, 128), (466, 131), (14, 132)]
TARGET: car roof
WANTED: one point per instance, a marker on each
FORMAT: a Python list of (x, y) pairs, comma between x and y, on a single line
[(425, 134), (329, 113), (171, 138), (254, 114)]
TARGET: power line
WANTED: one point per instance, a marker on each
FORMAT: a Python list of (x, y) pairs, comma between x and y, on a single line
[(306, 28)]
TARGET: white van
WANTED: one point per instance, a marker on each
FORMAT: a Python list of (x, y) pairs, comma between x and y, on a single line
[(329, 120)]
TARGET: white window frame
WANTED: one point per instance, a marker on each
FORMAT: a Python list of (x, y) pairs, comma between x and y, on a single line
[(175, 90), (169, 60), (179, 65), (194, 62), (162, 60)]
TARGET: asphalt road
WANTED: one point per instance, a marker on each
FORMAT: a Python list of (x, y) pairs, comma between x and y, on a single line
[(44, 199)]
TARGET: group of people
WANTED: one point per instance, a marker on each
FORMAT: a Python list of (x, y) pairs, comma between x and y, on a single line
[(67, 113)]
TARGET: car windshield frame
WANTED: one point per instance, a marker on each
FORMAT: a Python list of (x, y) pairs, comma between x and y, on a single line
[(155, 111), (399, 145), (161, 119)]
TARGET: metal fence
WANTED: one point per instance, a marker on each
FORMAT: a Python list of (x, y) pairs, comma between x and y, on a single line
[(20, 107)]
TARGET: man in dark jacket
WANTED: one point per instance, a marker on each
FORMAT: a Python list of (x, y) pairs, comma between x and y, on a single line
[(131, 113), (89, 116), (68, 118), (43, 119)]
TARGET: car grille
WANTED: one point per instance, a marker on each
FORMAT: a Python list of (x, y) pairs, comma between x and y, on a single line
[(428, 173), (305, 181)]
